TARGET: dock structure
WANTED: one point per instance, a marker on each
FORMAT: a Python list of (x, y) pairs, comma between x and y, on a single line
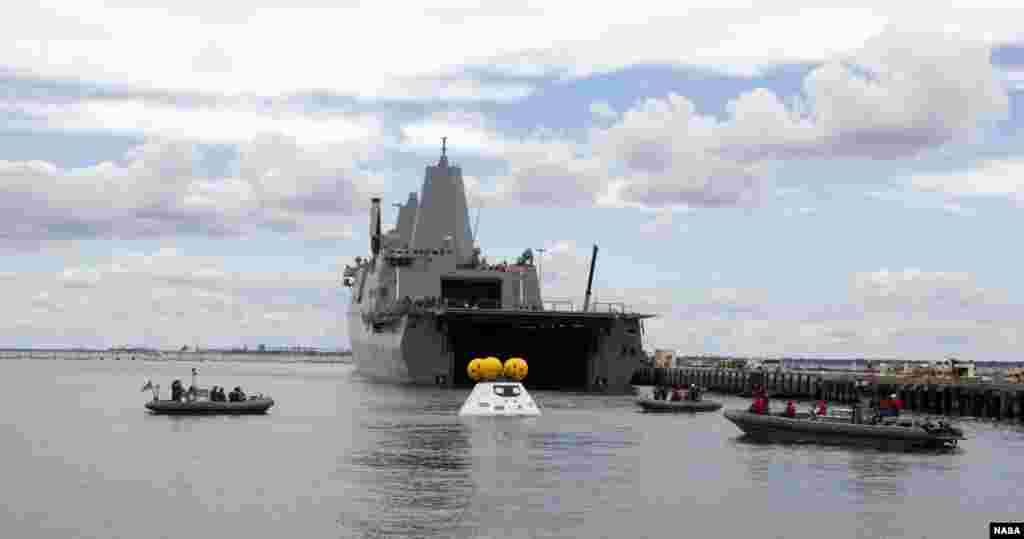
[(970, 399)]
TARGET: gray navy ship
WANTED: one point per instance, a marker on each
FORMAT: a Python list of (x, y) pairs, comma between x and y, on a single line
[(425, 303)]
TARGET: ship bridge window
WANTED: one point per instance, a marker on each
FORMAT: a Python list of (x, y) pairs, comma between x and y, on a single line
[(472, 292), (506, 390)]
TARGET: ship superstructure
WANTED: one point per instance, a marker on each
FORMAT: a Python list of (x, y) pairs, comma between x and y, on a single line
[(425, 303)]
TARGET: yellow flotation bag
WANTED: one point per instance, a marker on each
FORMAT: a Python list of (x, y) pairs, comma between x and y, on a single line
[(491, 368), (475, 369), (515, 369)]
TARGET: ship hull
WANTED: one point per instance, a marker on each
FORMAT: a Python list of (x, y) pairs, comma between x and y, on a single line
[(377, 356), (434, 348)]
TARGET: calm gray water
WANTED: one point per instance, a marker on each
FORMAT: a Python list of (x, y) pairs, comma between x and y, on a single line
[(338, 457)]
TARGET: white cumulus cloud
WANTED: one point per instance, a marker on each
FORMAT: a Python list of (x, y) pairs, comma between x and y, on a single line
[(893, 98), (311, 192), (167, 298)]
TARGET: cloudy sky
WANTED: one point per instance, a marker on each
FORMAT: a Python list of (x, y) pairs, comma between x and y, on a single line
[(784, 181)]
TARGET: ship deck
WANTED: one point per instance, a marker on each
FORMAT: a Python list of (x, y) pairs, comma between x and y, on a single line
[(514, 316)]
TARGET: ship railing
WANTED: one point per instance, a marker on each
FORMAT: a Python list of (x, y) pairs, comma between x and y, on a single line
[(500, 268), (595, 307), (608, 307), (559, 305)]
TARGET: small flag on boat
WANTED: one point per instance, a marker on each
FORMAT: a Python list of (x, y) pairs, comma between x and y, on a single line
[(149, 385)]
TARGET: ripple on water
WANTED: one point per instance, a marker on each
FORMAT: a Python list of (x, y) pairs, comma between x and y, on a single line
[(342, 458)]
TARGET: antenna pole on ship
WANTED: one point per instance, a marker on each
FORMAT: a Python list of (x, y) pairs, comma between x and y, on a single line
[(590, 279), (540, 269)]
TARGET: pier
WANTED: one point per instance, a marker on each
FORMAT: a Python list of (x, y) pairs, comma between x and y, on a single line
[(966, 399)]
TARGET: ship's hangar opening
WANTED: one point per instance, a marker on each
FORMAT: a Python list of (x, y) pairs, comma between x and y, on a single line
[(556, 347)]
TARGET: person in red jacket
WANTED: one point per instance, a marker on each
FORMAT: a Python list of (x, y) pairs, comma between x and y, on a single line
[(822, 408), (891, 407), (790, 409)]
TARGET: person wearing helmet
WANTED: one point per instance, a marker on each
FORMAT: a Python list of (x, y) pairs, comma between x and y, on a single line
[(890, 407), (896, 404)]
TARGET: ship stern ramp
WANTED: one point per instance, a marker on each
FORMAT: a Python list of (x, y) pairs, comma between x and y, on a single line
[(566, 351)]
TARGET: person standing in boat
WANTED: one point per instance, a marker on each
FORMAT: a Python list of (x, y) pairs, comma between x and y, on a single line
[(193, 390), (759, 406), (155, 388), (177, 390), (766, 405), (890, 407)]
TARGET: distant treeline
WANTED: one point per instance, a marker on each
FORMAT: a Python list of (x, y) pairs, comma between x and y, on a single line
[(275, 352), (202, 351)]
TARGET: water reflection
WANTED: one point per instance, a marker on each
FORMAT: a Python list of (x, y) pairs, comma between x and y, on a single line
[(413, 481), (877, 474), (521, 467), (344, 459), (580, 454)]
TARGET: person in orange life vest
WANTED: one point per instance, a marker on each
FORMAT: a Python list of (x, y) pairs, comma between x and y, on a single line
[(890, 407), (790, 409)]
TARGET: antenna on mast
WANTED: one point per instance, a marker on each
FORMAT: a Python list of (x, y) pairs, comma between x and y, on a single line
[(476, 224)]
